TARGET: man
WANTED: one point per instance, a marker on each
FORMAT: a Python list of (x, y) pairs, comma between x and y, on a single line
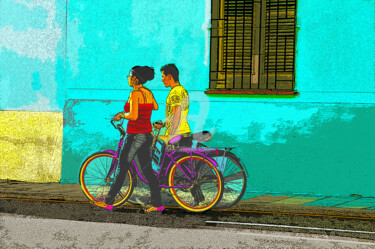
[(177, 107), (176, 111)]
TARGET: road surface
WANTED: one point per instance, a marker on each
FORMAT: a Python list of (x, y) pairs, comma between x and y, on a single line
[(20, 231)]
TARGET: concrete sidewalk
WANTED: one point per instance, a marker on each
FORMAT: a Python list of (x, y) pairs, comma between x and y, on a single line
[(355, 206)]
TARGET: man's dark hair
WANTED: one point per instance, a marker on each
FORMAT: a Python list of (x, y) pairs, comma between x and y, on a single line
[(170, 69)]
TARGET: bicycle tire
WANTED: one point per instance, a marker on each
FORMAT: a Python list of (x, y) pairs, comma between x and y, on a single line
[(187, 197), (235, 179), (92, 179)]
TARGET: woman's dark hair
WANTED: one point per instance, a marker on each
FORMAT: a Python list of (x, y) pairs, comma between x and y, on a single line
[(172, 70), (143, 74)]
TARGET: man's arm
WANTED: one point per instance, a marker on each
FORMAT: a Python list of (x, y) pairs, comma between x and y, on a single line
[(175, 119)]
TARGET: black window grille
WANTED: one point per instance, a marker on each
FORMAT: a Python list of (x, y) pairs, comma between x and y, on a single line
[(253, 45)]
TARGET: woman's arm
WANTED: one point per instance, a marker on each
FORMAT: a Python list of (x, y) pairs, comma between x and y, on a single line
[(119, 116), (133, 115), (134, 101), (154, 104)]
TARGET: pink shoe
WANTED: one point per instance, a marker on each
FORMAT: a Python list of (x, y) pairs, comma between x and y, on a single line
[(154, 209), (109, 207), (103, 205)]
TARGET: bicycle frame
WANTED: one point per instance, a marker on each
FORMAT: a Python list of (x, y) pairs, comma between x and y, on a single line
[(171, 156)]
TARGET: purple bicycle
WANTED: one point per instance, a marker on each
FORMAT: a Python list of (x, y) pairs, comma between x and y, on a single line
[(191, 176)]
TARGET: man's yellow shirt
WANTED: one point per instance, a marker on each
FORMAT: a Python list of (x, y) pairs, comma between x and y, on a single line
[(178, 96)]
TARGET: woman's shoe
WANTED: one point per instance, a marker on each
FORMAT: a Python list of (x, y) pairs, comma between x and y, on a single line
[(154, 209), (103, 205)]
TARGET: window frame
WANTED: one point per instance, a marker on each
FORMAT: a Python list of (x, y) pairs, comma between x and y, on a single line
[(262, 30)]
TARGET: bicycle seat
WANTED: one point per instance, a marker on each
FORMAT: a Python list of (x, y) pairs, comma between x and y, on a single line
[(174, 140), (203, 136)]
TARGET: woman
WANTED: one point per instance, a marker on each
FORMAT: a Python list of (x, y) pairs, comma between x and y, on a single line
[(139, 137)]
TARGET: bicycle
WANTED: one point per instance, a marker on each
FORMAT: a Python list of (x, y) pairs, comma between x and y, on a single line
[(234, 173), (193, 179)]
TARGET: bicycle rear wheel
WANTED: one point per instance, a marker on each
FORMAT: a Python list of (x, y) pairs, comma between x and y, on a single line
[(92, 178), (204, 188), (235, 179)]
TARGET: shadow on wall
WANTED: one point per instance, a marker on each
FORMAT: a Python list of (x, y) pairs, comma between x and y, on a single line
[(327, 151), (334, 159)]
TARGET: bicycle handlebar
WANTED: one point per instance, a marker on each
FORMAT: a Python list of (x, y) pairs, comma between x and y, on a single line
[(122, 131), (118, 127), (159, 123), (113, 123)]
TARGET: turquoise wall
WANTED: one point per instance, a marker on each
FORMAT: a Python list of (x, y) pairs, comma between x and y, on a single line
[(336, 44), (32, 54), (318, 142)]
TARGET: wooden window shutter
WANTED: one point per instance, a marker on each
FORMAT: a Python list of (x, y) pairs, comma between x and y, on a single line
[(279, 44), (252, 44)]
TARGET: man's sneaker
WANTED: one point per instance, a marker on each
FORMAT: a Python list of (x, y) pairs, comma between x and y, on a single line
[(199, 203), (154, 209), (194, 203)]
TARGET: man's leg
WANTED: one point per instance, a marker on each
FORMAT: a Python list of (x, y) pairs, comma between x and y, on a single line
[(185, 142), (196, 191)]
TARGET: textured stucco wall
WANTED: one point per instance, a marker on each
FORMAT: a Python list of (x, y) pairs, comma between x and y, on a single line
[(32, 54), (32, 50), (318, 142), (31, 146), (307, 144), (287, 148)]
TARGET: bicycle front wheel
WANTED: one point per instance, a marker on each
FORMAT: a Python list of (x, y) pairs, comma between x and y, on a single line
[(235, 179), (196, 184), (92, 178)]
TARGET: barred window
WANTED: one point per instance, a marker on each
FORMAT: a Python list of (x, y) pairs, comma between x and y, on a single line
[(252, 46)]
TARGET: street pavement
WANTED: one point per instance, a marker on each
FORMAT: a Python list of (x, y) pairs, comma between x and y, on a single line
[(18, 231), (356, 206), (67, 202)]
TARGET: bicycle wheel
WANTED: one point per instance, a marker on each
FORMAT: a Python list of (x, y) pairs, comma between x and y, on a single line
[(92, 178), (235, 179), (204, 188)]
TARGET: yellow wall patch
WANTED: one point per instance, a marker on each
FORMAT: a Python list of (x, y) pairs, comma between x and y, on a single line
[(31, 146)]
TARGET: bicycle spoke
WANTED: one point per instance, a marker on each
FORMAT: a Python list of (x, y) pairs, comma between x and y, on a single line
[(87, 175), (106, 166), (101, 161), (205, 190), (121, 195), (199, 167), (233, 177), (233, 169), (100, 173), (229, 172), (92, 174), (204, 173)]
